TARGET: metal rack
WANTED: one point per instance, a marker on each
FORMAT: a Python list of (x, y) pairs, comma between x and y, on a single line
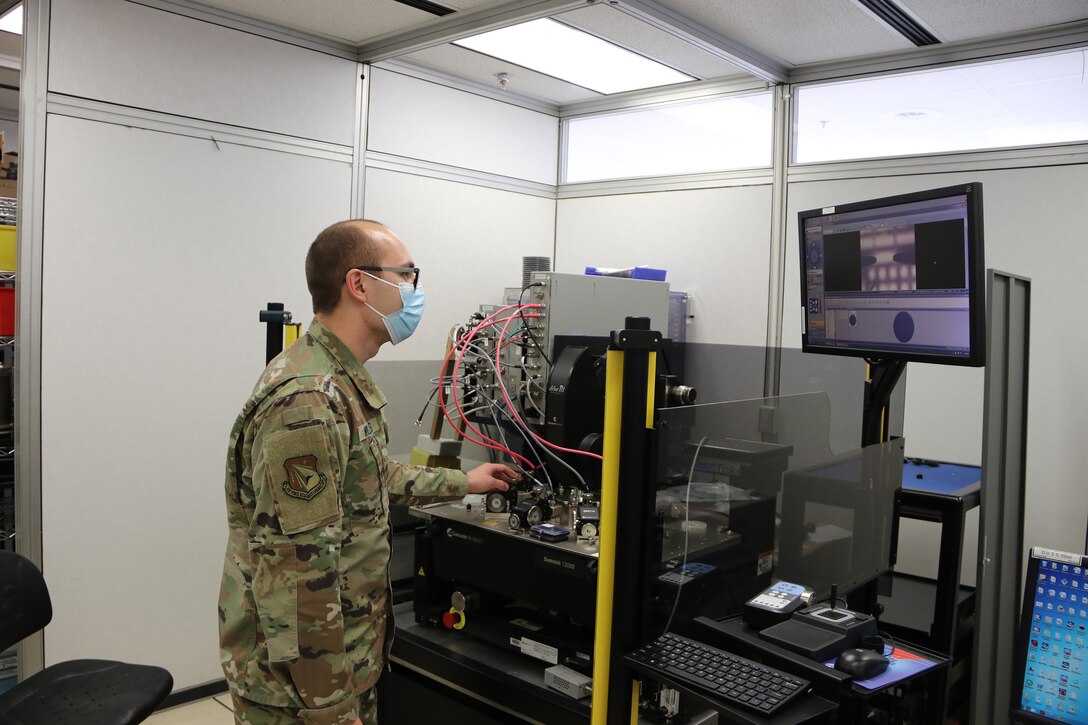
[(9, 660), (8, 212)]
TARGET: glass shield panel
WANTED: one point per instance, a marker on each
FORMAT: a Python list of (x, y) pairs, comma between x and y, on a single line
[(749, 493)]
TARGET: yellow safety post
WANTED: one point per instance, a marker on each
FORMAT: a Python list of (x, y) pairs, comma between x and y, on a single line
[(606, 548), (291, 333)]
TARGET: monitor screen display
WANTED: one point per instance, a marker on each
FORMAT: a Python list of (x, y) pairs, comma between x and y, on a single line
[(896, 278), (1050, 670)]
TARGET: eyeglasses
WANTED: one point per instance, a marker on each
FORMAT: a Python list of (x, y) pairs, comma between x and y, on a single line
[(414, 271)]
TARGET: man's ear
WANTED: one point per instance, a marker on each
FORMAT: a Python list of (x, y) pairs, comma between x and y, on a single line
[(353, 286)]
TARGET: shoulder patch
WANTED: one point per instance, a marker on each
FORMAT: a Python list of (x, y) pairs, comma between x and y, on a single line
[(304, 479), (300, 474)]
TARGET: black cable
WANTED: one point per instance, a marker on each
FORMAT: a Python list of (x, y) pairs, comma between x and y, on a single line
[(521, 314), (888, 639), (419, 419)]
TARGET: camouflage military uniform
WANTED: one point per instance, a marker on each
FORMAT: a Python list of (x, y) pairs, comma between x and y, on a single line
[(304, 606)]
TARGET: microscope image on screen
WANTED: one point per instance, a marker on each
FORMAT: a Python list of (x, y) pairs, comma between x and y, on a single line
[(896, 277)]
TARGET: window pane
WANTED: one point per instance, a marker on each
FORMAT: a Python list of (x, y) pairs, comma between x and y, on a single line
[(1020, 102), (718, 135)]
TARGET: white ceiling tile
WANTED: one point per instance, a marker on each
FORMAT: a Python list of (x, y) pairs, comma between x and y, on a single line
[(794, 32), (972, 19), (353, 21)]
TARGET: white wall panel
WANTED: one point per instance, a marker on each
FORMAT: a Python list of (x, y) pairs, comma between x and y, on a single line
[(425, 120), (715, 244), (1034, 222), (133, 55), (159, 250), (467, 240)]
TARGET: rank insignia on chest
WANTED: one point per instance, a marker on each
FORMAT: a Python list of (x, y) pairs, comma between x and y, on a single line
[(366, 431), (303, 479)]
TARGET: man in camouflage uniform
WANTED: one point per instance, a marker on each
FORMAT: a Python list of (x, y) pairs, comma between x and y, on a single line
[(304, 611)]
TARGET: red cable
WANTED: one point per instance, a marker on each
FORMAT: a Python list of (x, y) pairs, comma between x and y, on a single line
[(445, 412), (483, 439), (463, 345), (513, 412)]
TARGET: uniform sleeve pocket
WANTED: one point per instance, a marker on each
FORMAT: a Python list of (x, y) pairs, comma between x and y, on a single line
[(302, 478), (275, 590)]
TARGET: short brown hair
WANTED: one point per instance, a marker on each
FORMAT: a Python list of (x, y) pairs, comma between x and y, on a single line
[(338, 249)]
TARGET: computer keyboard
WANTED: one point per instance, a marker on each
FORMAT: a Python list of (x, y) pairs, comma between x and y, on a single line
[(719, 674)]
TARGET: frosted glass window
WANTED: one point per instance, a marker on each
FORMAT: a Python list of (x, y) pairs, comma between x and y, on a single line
[(717, 135), (1010, 103)]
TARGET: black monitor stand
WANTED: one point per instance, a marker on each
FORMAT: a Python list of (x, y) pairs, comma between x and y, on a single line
[(883, 376), (875, 424)]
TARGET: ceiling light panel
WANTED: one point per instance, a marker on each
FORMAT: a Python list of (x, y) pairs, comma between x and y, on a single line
[(464, 63), (561, 51), (605, 21)]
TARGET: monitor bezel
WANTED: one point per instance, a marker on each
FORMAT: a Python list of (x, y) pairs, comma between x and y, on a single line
[(976, 277), (1023, 635)]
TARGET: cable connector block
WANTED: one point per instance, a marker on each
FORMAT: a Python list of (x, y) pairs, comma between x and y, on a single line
[(570, 683)]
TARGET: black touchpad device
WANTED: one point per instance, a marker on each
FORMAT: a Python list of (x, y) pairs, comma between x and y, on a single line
[(821, 632)]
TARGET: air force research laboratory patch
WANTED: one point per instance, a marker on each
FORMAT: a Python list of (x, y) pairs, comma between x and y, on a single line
[(300, 473), (304, 480)]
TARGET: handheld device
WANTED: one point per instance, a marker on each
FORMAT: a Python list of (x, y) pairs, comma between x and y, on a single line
[(776, 603)]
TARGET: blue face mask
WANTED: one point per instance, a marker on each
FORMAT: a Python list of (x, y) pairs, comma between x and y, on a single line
[(402, 323)]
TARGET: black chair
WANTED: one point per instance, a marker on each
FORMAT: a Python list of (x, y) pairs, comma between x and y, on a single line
[(89, 692)]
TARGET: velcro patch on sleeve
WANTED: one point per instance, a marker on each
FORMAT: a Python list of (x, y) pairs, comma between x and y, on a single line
[(300, 474), (301, 414)]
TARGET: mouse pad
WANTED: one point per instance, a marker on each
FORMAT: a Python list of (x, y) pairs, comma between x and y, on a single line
[(903, 665)]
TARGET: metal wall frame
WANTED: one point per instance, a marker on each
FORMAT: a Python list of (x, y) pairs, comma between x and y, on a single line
[(776, 281), (933, 56), (28, 322), (1004, 462), (435, 170), (358, 157)]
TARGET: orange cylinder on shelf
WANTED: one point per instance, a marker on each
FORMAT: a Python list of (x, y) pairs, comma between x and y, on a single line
[(7, 311)]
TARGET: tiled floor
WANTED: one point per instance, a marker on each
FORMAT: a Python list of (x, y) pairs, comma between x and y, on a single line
[(213, 711)]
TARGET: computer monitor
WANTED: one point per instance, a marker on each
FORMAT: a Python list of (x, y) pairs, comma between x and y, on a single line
[(1050, 669), (897, 278)]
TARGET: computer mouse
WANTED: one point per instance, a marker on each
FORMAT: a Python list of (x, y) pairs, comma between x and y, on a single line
[(861, 664)]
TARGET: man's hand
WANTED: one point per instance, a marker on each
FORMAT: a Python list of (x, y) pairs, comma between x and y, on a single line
[(491, 477)]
